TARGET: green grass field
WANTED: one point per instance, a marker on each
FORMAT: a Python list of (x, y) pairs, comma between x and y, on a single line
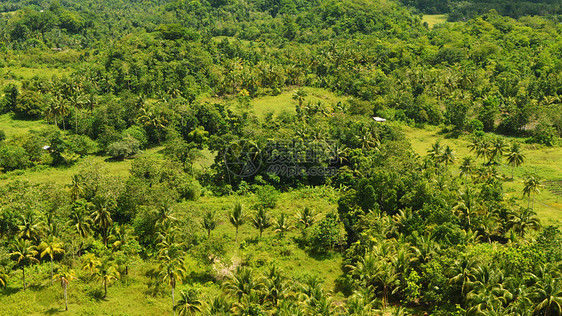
[(14, 127), (433, 19), (544, 161), (284, 101)]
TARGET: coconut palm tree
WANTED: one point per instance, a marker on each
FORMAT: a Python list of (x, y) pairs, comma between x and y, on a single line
[(481, 147), (165, 216), (101, 218), (462, 273), (171, 268), (209, 222), (219, 306), (299, 96), (106, 273), (261, 220), (282, 224), (306, 219), (498, 149), (76, 187), (51, 247), (90, 262), (237, 218), (467, 167), (30, 227), (523, 220), (120, 236), (386, 275), (188, 304), (275, 286), (65, 276), (467, 207), (532, 185), (436, 152), (547, 296), (514, 157), (448, 156), (23, 253), (243, 283)]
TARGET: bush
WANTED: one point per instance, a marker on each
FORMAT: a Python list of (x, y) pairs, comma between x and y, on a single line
[(13, 157), (188, 187), (2, 135), (267, 196), (544, 134), (82, 145), (475, 125), (126, 147), (326, 235), (137, 133)]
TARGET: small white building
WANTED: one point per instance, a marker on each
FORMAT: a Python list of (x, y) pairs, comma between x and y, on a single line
[(379, 119)]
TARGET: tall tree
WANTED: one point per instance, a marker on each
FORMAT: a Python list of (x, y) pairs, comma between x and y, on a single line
[(188, 304), (65, 276), (23, 253), (305, 219), (106, 273), (101, 217), (237, 218), (51, 247), (514, 157), (261, 220), (209, 222), (531, 186)]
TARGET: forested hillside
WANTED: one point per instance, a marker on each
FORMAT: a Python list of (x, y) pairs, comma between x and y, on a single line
[(221, 157)]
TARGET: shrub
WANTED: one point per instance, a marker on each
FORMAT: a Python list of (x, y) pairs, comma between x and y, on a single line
[(137, 133), (13, 157), (326, 235), (126, 147), (267, 196)]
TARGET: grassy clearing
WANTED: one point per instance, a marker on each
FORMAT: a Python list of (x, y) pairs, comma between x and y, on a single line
[(14, 74), (283, 102), (14, 127), (63, 175), (433, 19), (271, 248), (544, 161)]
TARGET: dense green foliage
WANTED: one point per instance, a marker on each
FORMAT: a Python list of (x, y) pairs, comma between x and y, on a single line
[(433, 233)]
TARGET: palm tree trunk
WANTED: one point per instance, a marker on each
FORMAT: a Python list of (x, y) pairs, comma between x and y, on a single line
[(51, 270), (512, 167), (105, 288), (23, 271), (173, 299), (533, 203), (385, 296), (65, 297), (236, 234)]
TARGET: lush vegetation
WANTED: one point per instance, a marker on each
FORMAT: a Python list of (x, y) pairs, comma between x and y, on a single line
[(116, 119)]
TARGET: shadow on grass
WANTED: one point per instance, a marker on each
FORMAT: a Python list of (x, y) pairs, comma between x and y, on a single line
[(53, 310), (9, 290)]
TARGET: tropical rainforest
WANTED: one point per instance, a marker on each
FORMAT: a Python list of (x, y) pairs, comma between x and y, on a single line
[(280, 157)]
